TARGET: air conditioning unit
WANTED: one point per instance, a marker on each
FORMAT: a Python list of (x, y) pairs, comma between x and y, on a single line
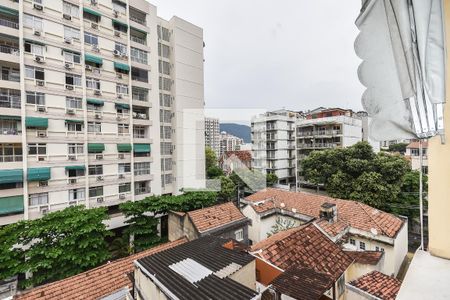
[(68, 65), (120, 96), (99, 178), (116, 52), (72, 157), (122, 196), (70, 87), (121, 176), (98, 116), (40, 82), (38, 6), (124, 55), (37, 32), (39, 59), (118, 118), (121, 156), (117, 33), (116, 13), (68, 40), (67, 17), (99, 157), (72, 180), (98, 92), (44, 209), (94, 25), (100, 200), (70, 111), (43, 183), (119, 76), (41, 108), (41, 133), (88, 68)]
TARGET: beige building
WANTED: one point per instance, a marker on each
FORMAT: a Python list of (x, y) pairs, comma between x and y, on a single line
[(101, 102), (229, 142), (413, 154), (212, 134)]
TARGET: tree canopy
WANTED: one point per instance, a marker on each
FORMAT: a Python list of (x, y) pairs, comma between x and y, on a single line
[(399, 147)]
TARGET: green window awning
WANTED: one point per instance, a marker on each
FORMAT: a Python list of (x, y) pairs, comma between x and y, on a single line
[(11, 176), (121, 66), (141, 148), (10, 205), (119, 23), (93, 59), (38, 174), (71, 51), (122, 105), (95, 102), (92, 12), (34, 42), (8, 11), (124, 147), (35, 122), (96, 148), (10, 118), (74, 121), (138, 30), (78, 167)]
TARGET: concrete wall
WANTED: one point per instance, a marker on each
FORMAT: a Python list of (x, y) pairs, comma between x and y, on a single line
[(146, 287), (246, 275)]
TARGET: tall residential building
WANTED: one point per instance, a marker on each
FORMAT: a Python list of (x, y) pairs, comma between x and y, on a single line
[(273, 144), (101, 102), (212, 134), (229, 142)]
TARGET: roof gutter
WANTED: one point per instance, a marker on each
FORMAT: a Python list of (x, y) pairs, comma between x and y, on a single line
[(158, 283)]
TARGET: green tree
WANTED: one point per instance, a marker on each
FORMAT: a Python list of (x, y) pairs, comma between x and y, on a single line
[(357, 173), (56, 246), (214, 172), (399, 147), (227, 189), (407, 203), (281, 224), (210, 158), (271, 179)]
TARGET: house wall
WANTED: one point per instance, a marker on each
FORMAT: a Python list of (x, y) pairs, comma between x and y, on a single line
[(355, 294), (357, 270), (230, 233), (175, 224), (246, 275), (146, 287), (266, 273)]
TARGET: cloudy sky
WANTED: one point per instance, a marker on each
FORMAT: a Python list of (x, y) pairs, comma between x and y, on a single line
[(267, 54)]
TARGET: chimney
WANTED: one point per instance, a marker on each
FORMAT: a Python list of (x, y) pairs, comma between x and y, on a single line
[(328, 211)]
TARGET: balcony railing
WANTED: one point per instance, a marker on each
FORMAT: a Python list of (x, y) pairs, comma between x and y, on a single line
[(9, 101), (142, 172), (137, 19), (11, 76), (10, 131), (139, 59), (139, 78), (138, 40), (141, 116), (8, 23), (9, 50), (317, 145), (10, 158), (319, 132), (141, 190)]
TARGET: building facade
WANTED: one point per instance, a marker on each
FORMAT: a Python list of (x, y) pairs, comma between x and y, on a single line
[(101, 102), (229, 142), (212, 134), (273, 144), (413, 154)]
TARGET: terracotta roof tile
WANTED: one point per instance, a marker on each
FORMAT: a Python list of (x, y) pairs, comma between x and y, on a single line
[(353, 213), (243, 155), (215, 216), (378, 284), (366, 257), (95, 283), (415, 144), (306, 246)]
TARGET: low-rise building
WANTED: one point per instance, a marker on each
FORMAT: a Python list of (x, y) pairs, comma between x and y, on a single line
[(353, 225), (413, 154), (224, 220), (232, 160), (373, 286)]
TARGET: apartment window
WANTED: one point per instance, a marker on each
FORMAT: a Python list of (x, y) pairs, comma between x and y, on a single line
[(121, 88), (142, 187), (38, 199), (73, 102), (124, 168), (121, 110), (362, 245), (166, 148), (120, 27), (139, 55), (92, 83), (96, 170), (76, 194), (137, 16), (168, 178), (125, 187), (34, 73), (75, 149), (166, 164), (163, 33), (139, 132), (10, 74), (163, 50), (70, 32), (239, 235), (96, 191), (352, 242), (119, 6), (71, 9), (37, 149), (73, 79), (142, 168), (35, 98), (165, 132), (165, 100), (10, 152), (91, 17), (165, 83), (139, 94), (75, 127), (139, 74), (32, 22), (121, 48), (164, 67), (33, 48), (72, 57), (75, 173), (94, 127), (165, 116), (123, 129), (379, 249), (90, 39)]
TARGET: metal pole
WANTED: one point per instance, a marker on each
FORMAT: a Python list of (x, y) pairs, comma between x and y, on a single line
[(421, 194)]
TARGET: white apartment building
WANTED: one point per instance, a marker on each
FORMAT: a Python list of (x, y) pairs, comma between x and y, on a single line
[(101, 102), (273, 144), (229, 142), (212, 134)]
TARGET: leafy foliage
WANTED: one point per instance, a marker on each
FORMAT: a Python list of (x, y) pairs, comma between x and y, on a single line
[(141, 214), (399, 147), (407, 203), (271, 180), (281, 224), (227, 188), (214, 172), (58, 245), (210, 158), (357, 173)]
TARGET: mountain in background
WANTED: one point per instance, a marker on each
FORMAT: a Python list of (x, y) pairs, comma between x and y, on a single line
[(242, 131)]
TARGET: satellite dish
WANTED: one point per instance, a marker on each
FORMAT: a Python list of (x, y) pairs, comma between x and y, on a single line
[(374, 231)]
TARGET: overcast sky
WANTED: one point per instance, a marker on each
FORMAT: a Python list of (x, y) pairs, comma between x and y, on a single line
[(267, 54)]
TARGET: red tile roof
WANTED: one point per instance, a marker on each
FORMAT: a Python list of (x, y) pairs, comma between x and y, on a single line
[(306, 246), (95, 283), (215, 216), (353, 213), (243, 155), (415, 144), (366, 257), (378, 284)]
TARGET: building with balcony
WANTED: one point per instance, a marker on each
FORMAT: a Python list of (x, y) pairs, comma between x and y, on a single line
[(212, 134), (273, 144), (95, 96), (229, 142)]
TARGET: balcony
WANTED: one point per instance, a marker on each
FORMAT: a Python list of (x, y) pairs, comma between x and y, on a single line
[(319, 133), (11, 23), (9, 101), (138, 40), (10, 158), (317, 145)]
